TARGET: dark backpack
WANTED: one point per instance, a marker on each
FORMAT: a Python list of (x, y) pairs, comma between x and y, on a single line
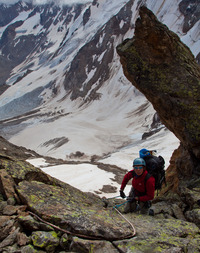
[(155, 167)]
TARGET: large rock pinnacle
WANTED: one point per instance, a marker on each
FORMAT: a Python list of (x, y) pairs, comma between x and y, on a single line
[(165, 71)]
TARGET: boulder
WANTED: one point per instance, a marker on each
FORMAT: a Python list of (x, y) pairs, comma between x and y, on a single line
[(6, 226), (80, 245), (7, 185), (10, 239), (75, 211), (161, 235), (29, 223), (48, 241)]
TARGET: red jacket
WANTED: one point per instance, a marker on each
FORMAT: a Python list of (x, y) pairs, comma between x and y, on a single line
[(138, 184)]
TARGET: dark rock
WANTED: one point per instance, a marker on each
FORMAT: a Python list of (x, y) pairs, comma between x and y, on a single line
[(30, 224), (10, 210), (6, 226), (194, 215), (80, 245), (22, 239), (3, 204), (11, 201), (74, 210), (8, 13), (48, 241), (190, 10), (10, 239), (76, 83), (86, 16), (65, 241), (7, 185), (29, 249)]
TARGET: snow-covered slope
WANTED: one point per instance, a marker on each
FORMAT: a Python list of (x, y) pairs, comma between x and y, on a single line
[(66, 95)]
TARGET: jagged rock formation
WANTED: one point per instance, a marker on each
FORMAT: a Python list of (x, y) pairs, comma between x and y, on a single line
[(165, 71)]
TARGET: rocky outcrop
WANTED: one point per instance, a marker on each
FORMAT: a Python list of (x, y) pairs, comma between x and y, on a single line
[(166, 72), (39, 213)]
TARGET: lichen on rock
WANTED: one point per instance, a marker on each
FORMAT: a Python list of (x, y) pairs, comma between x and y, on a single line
[(166, 72)]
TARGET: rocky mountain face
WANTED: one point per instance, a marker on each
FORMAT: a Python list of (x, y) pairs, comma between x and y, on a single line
[(39, 213), (165, 71), (59, 63)]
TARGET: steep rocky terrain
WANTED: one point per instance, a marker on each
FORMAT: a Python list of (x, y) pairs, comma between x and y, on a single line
[(42, 214), (39, 213)]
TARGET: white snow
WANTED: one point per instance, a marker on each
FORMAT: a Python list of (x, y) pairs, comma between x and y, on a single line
[(110, 127), (85, 177), (28, 26)]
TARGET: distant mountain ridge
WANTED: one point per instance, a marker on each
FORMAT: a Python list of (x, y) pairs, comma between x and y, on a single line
[(61, 79)]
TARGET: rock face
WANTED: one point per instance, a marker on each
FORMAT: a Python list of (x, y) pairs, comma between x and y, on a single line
[(39, 213), (166, 72)]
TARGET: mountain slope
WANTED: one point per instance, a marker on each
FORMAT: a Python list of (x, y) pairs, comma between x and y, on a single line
[(67, 93)]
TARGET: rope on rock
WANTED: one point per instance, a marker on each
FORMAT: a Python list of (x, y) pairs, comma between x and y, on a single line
[(133, 228), (86, 236), (65, 231)]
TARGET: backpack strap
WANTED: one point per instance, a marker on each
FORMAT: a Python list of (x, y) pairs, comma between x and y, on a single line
[(133, 173), (147, 177), (145, 180)]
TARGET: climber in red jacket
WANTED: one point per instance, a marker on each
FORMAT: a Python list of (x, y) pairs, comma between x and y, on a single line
[(143, 188)]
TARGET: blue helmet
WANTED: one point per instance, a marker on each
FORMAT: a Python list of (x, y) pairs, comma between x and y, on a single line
[(139, 161), (144, 153)]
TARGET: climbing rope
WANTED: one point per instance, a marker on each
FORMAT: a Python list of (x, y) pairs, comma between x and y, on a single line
[(133, 228), (87, 236), (65, 231), (115, 207)]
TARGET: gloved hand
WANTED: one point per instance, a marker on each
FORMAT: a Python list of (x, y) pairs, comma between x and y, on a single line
[(122, 194)]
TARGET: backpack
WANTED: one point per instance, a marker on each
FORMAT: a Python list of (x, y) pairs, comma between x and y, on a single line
[(155, 167)]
